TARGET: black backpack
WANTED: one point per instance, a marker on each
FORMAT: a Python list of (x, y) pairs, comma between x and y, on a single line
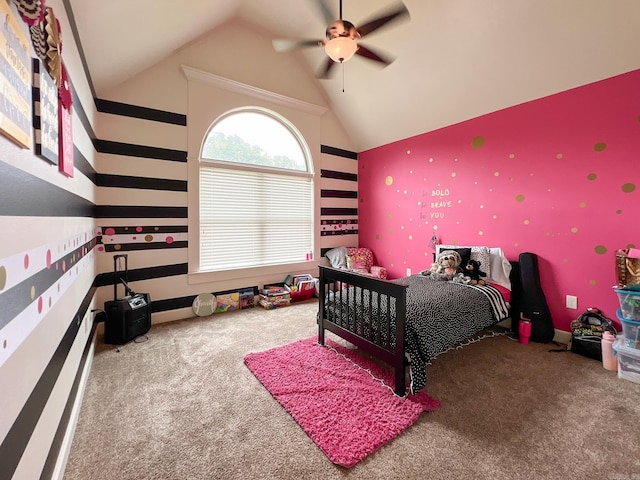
[(587, 331)]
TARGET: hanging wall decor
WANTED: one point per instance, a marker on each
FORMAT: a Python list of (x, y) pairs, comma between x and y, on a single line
[(45, 113), (31, 11), (53, 40), (65, 124), (15, 80)]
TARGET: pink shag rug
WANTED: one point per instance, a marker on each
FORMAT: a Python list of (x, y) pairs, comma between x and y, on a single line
[(341, 399)]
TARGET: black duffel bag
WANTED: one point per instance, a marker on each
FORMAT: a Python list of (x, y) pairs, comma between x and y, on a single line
[(587, 331)]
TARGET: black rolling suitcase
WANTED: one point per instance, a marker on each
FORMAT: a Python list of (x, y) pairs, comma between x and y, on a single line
[(128, 316)]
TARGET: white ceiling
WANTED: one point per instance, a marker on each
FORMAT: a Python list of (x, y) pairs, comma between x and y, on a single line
[(455, 59)]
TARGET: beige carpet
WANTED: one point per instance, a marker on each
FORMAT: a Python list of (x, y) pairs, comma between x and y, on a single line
[(183, 405)]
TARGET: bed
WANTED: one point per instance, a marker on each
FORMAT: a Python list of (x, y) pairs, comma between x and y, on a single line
[(409, 321)]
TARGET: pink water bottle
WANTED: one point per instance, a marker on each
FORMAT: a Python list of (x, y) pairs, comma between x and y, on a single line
[(524, 331), (609, 360)]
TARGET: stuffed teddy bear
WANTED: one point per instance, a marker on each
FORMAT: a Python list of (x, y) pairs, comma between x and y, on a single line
[(446, 267), (473, 272)]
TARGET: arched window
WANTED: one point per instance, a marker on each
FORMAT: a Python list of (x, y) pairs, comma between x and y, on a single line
[(256, 192)]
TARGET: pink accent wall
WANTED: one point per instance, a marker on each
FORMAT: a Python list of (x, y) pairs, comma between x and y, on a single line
[(558, 176)]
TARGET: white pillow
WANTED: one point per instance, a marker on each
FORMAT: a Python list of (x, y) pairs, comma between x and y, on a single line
[(478, 253), (337, 257), (500, 268)]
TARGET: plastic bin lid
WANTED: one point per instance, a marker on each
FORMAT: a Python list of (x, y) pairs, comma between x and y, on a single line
[(622, 319), (619, 346)]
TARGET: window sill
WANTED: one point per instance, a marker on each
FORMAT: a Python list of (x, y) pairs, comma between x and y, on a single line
[(253, 275)]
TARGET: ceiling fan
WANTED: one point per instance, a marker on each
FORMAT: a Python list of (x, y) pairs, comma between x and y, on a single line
[(343, 37)]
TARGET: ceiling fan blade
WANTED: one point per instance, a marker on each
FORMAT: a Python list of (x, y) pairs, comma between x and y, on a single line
[(375, 56), (394, 13), (324, 73), (327, 15), (286, 45)]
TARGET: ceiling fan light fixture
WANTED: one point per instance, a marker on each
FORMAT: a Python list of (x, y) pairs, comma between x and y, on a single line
[(341, 49)]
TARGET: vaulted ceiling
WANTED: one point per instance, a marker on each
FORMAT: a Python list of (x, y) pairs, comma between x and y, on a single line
[(455, 59)]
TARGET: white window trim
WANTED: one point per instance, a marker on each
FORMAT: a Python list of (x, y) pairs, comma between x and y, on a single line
[(268, 100)]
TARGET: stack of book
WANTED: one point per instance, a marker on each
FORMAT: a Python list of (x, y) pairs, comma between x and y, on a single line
[(303, 288), (274, 297)]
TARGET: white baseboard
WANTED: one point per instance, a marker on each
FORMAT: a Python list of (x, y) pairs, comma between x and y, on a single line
[(65, 449), (559, 336)]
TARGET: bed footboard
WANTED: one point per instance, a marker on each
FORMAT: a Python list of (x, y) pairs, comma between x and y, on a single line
[(367, 312)]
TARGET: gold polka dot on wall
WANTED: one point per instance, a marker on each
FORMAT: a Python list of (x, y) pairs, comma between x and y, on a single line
[(520, 198), (3, 277), (32, 293), (592, 176), (583, 204), (600, 146), (559, 156), (453, 174), (526, 222), (628, 187), (592, 282), (148, 238), (117, 247), (600, 249), (388, 181), (617, 211), (574, 230), (478, 142), (512, 155)]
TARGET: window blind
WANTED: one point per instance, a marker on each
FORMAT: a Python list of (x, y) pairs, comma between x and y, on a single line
[(252, 218)]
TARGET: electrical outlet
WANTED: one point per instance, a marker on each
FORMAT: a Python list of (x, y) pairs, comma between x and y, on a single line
[(572, 302), (408, 272)]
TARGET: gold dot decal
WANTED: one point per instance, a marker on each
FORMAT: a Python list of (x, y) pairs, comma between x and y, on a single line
[(628, 187), (388, 181), (600, 249), (477, 142), (574, 230), (559, 156), (3, 277), (618, 212), (32, 293), (453, 174), (583, 204), (592, 282), (600, 146), (512, 155), (520, 198), (592, 176), (148, 238)]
